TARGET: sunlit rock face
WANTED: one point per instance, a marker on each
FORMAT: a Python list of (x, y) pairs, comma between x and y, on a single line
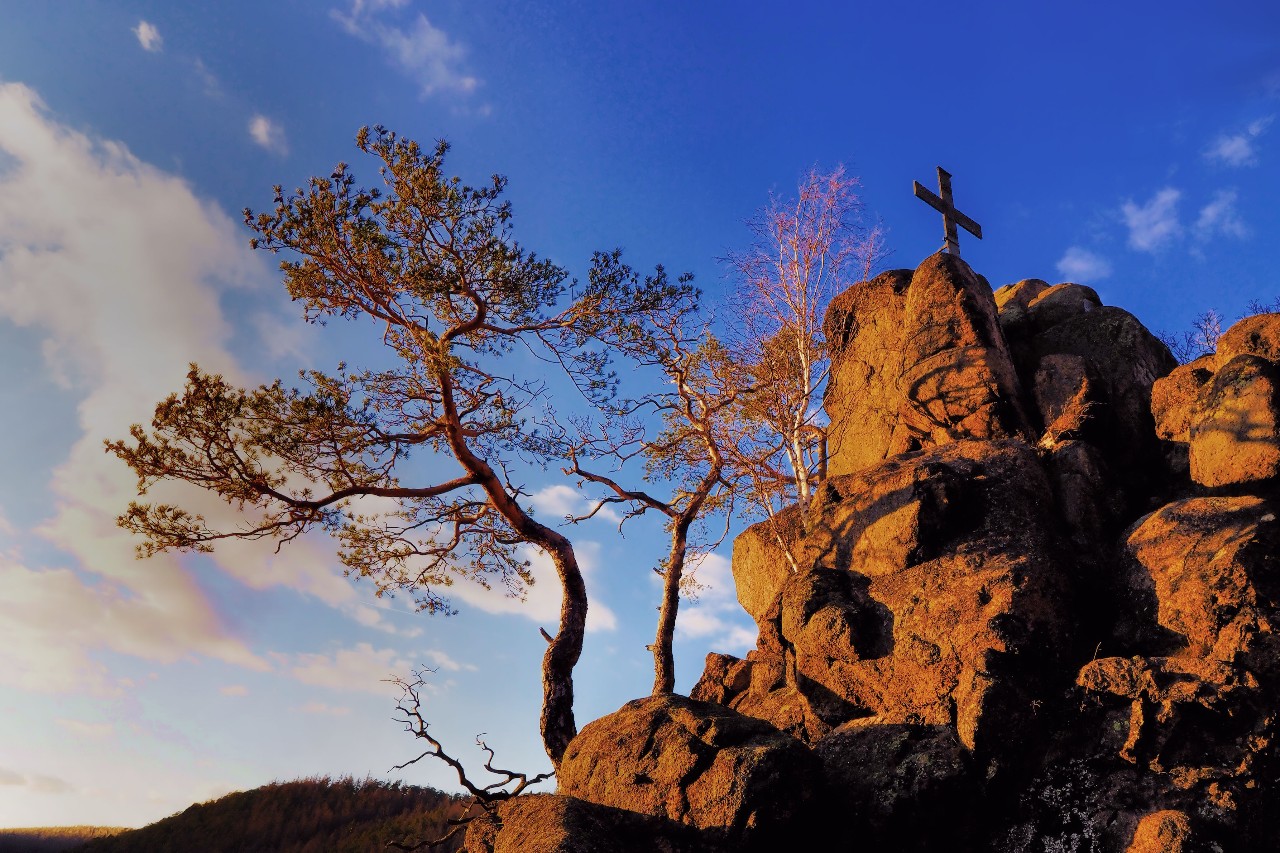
[(1033, 607)]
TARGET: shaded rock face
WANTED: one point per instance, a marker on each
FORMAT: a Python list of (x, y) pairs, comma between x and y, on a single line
[(1032, 608)]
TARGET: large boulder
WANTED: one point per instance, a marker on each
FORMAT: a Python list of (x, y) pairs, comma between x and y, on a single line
[(1212, 566), (1258, 335), (933, 592), (1235, 434), (737, 778), (550, 823), (917, 362), (900, 786)]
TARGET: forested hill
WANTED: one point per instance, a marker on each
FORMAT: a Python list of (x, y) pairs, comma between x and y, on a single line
[(307, 816)]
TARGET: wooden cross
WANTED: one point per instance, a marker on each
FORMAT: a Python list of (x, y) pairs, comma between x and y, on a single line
[(950, 216)]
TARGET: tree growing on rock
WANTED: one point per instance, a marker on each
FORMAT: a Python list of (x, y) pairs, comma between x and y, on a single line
[(683, 452), (432, 261), (804, 251)]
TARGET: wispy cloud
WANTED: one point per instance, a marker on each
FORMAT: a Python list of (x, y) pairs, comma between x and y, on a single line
[(234, 690), (149, 37), (1080, 265), (558, 502), (1152, 225), (715, 613), (91, 731), (1238, 149), (268, 134), (419, 49), (70, 208), (360, 668), (541, 602), (35, 781), (1220, 217)]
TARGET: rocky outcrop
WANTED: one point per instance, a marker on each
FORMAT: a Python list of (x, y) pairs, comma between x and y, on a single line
[(1033, 607), (932, 590), (918, 360)]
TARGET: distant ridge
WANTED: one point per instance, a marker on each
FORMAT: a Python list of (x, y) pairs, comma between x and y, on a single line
[(315, 815), (48, 839)]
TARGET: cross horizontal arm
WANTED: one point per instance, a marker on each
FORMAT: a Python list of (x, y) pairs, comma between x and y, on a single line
[(945, 209)]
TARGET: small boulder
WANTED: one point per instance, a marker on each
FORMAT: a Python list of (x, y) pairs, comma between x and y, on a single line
[(1175, 399), (1166, 831)]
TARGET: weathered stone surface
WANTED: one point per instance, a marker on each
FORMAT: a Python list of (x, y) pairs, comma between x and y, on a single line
[(1175, 399), (900, 787), (917, 364), (1061, 302), (1068, 399), (1235, 432), (723, 677), (864, 330), (694, 762), (550, 823), (1213, 566), (1258, 335), (1088, 498), (1165, 831), (934, 596), (760, 559), (1127, 360)]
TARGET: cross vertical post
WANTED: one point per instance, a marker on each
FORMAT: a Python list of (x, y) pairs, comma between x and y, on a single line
[(950, 216)]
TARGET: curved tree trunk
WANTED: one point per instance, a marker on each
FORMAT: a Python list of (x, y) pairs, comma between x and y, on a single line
[(557, 723), (664, 665)]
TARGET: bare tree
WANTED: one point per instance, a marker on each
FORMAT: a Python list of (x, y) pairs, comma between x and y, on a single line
[(1201, 339), (701, 387), (804, 251), (484, 797), (433, 262)]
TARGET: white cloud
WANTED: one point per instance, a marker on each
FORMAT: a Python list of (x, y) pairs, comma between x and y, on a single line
[(443, 661), (1154, 224), (1238, 149), (715, 613), (361, 668), (268, 134), (149, 37), (1220, 217), (421, 50), (541, 602), (1080, 265), (557, 502), (119, 267), (234, 690)]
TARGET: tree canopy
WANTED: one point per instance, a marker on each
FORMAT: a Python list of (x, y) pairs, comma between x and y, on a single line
[(433, 262)]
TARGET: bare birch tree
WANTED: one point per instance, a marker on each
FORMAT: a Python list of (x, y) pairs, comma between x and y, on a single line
[(804, 251)]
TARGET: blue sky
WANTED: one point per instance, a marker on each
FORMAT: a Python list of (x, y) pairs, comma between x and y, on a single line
[(1132, 147)]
